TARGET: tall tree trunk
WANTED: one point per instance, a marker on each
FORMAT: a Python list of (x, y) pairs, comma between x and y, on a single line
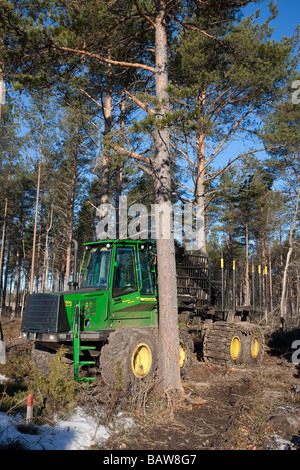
[(283, 303), (229, 244), (270, 277), (71, 209), (46, 253), (3, 241), (119, 176), (37, 205), (106, 150), (2, 88), (38, 255), (24, 281), (263, 262), (16, 286), (2, 294), (247, 281), (6, 273), (169, 370), (297, 293), (105, 170), (200, 179)]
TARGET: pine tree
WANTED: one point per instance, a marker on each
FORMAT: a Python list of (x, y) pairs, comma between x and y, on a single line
[(282, 129), (232, 77)]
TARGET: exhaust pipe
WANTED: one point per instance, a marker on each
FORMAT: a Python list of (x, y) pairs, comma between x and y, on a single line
[(74, 284)]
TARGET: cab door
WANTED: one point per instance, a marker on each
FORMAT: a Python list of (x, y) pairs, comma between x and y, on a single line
[(126, 305)]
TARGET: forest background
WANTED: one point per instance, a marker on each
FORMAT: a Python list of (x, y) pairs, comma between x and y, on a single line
[(76, 135)]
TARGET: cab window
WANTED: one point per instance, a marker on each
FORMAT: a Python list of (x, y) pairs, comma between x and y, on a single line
[(124, 272), (147, 284), (96, 270)]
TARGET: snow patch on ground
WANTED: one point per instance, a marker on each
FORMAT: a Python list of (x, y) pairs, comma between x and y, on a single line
[(78, 432)]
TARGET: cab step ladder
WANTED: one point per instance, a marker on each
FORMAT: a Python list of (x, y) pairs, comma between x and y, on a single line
[(77, 347)]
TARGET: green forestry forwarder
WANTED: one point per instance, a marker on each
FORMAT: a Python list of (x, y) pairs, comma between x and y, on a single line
[(110, 317)]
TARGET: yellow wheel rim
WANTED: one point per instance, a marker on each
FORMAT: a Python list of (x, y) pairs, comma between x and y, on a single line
[(254, 348), (182, 356), (141, 360), (235, 347)]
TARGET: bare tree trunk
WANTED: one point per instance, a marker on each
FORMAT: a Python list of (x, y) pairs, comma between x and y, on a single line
[(270, 277), (37, 205), (3, 241), (16, 286), (6, 273), (119, 178), (46, 254), (247, 283), (24, 281), (297, 292), (263, 262), (169, 370), (200, 180), (38, 255), (1, 82), (71, 210), (283, 303), (106, 150)]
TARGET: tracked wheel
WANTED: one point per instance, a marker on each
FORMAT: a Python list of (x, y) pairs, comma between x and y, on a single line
[(223, 344), (233, 343)]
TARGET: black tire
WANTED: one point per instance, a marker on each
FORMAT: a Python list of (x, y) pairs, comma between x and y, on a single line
[(41, 357), (186, 345), (129, 356), (224, 343)]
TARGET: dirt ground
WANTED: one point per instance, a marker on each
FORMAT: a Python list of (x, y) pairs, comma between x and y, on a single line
[(223, 408), (252, 408)]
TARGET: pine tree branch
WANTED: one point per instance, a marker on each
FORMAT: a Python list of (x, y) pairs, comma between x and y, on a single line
[(91, 98), (199, 30), (225, 139), (217, 173), (145, 169), (102, 59), (143, 15), (142, 105), (130, 153), (185, 155)]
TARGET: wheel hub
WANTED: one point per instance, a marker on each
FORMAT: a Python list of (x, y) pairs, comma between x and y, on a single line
[(235, 347), (141, 360), (182, 356), (254, 348)]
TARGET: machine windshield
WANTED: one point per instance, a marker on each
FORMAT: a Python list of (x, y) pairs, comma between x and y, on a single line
[(96, 268)]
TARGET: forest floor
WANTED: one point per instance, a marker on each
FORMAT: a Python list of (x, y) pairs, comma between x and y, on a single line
[(226, 408), (223, 408)]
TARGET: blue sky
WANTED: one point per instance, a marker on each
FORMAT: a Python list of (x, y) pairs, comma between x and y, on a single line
[(287, 20), (285, 24)]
